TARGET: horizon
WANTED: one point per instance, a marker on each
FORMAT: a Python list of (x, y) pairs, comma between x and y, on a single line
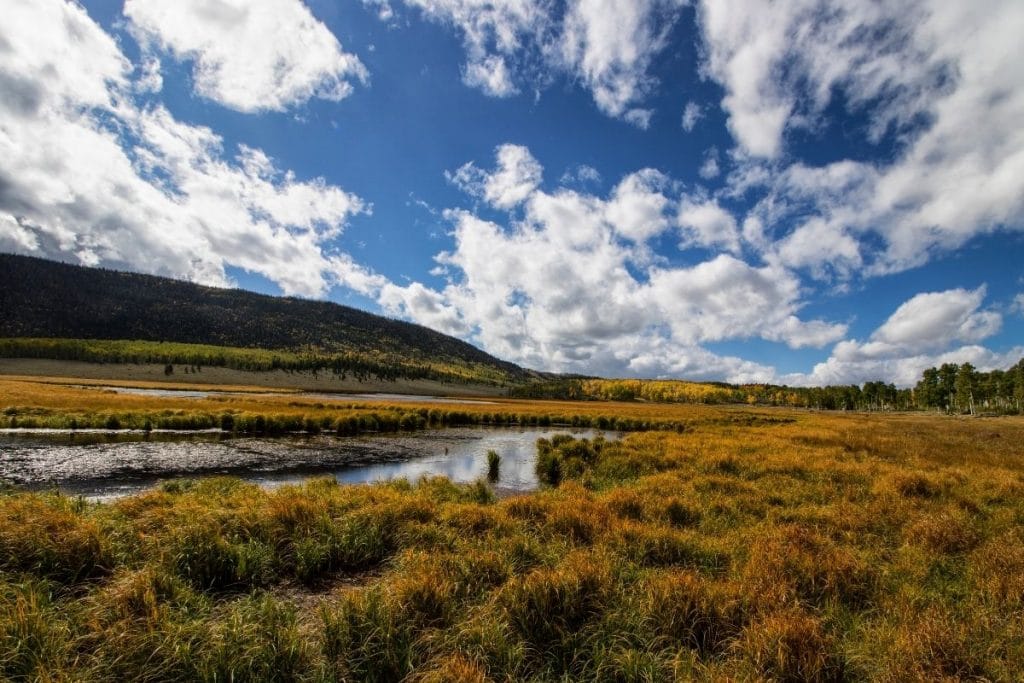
[(781, 194)]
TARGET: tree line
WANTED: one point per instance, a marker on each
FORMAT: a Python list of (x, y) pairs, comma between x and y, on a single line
[(194, 357), (962, 389), (950, 388)]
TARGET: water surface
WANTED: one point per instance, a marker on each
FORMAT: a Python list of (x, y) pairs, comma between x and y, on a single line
[(102, 465)]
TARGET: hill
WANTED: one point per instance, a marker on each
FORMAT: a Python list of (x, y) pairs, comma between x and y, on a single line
[(48, 300)]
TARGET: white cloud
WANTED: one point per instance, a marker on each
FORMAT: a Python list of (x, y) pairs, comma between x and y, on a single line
[(491, 74), (607, 45), (268, 55), (923, 332), (150, 80), (936, 319), (573, 287), (503, 41), (581, 174), (709, 168), (610, 44), (15, 237), (903, 371), (518, 174), (939, 80), (641, 118), (637, 207), (692, 113), (1018, 304), (103, 181), (725, 298), (706, 224), (780, 62), (820, 246), (382, 7), (425, 305)]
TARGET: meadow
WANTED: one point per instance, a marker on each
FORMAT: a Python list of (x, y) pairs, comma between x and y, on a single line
[(68, 403), (715, 543)]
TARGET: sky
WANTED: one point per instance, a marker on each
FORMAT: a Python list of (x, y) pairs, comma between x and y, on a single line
[(792, 191)]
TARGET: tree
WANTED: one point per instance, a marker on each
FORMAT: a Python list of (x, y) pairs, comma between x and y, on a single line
[(928, 393), (963, 387), (947, 379), (1018, 384)]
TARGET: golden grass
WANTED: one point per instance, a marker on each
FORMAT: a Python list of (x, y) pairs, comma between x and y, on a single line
[(50, 403), (824, 547)]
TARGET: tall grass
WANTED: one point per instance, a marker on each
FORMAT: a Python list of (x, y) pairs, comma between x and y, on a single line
[(826, 549)]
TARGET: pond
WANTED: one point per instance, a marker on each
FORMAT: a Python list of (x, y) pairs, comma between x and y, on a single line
[(101, 465)]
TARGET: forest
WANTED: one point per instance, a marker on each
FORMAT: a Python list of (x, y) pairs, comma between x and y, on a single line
[(950, 388), (191, 358), (46, 299)]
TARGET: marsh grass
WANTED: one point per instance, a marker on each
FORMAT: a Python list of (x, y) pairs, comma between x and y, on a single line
[(820, 547), (493, 465)]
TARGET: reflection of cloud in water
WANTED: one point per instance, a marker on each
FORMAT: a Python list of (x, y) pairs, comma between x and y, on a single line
[(466, 460), (100, 466)]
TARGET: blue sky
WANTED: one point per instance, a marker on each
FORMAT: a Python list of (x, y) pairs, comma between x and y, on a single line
[(794, 191)]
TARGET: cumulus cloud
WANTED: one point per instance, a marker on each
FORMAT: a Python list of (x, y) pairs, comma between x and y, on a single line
[(928, 329), (923, 81), (903, 371), (518, 174), (936, 319), (268, 55), (725, 298), (610, 44), (572, 286), (638, 205), (706, 224), (781, 62), (104, 181)]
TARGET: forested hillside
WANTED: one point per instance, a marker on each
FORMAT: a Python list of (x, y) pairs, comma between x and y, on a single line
[(46, 299)]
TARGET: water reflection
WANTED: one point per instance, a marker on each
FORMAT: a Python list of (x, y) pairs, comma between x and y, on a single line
[(103, 465)]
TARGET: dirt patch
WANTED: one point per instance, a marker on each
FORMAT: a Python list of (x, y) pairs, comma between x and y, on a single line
[(308, 599)]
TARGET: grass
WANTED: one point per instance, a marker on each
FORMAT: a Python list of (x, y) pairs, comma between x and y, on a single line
[(819, 547), (493, 465), (40, 402), (191, 358)]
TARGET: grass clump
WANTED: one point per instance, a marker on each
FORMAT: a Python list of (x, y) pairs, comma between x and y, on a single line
[(50, 536), (493, 465)]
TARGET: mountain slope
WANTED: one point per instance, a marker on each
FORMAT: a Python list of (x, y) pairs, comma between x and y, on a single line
[(46, 299)]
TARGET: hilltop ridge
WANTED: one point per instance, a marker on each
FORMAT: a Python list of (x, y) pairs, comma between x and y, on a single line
[(53, 300)]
